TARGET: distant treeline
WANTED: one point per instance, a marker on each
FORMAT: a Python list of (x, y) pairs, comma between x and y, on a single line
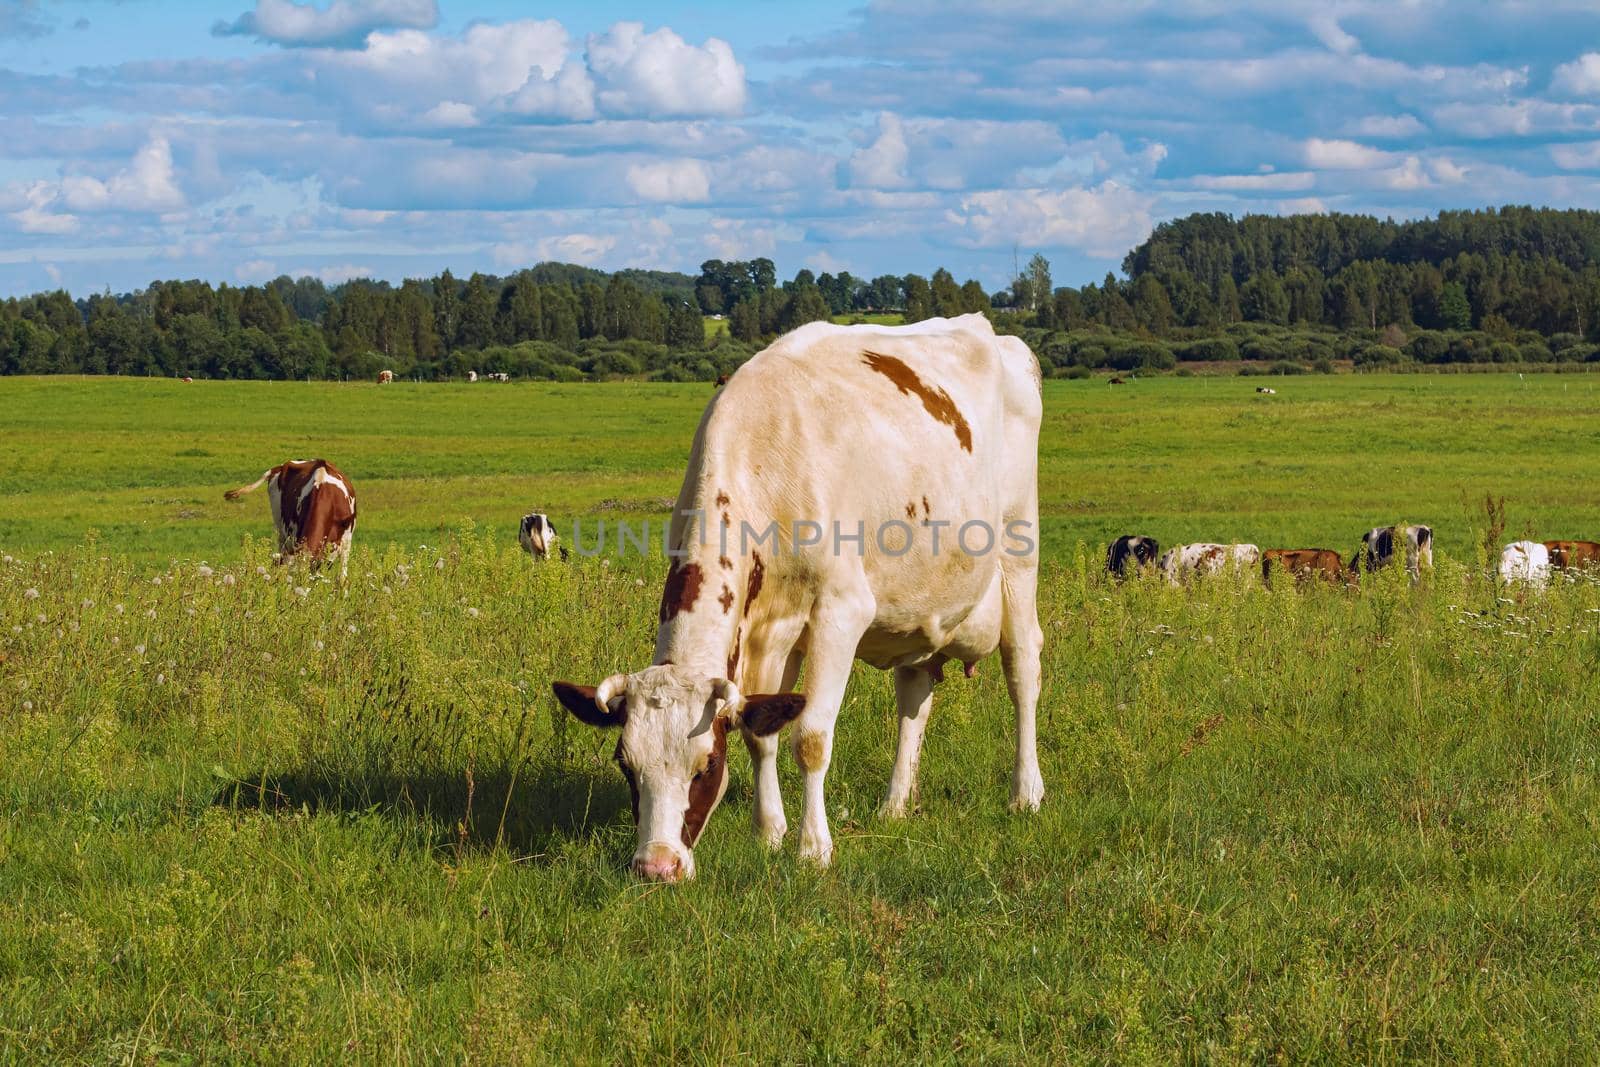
[(1508, 285)]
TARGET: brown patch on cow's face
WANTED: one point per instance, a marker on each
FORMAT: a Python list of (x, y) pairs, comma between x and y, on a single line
[(757, 576), (725, 563), (935, 401), (722, 499), (726, 600), (705, 788), (809, 750), (681, 591)]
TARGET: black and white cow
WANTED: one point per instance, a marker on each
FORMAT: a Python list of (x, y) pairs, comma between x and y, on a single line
[(1378, 547), (1140, 552), (537, 535)]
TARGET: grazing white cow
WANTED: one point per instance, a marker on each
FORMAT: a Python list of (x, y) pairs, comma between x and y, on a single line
[(536, 535), (313, 509), (472, 375), (1527, 562), (836, 473), (1206, 558), (385, 377)]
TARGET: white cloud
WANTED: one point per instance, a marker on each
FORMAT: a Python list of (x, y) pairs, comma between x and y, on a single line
[(341, 23), (1341, 155), (147, 185), (1581, 77), (1287, 181), (584, 248), (882, 164), (333, 274), (1304, 205), (256, 271), (1104, 221), (671, 181), (1584, 156), (451, 114), (1392, 126), (1325, 26), (660, 74)]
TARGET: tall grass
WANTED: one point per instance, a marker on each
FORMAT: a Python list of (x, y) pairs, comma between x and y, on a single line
[(252, 814)]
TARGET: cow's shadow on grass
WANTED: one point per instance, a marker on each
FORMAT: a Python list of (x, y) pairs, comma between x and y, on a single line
[(529, 812)]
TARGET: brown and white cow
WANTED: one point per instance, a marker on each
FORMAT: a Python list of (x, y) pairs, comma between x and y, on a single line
[(1573, 555), (1204, 558), (1378, 549), (905, 436), (537, 536), (385, 377), (313, 509), (1303, 564)]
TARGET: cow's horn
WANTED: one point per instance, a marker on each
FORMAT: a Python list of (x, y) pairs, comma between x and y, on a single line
[(729, 694), (606, 690)]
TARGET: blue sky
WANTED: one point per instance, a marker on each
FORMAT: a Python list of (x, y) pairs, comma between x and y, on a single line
[(239, 139)]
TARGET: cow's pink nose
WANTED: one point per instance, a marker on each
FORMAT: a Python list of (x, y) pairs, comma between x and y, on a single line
[(659, 867)]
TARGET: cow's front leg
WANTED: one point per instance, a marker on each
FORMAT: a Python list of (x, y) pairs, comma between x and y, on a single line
[(767, 811), (832, 651), (913, 694)]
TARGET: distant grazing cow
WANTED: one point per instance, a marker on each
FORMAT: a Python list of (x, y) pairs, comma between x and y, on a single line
[(313, 509), (1141, 552), (1304, 564), (1205, 558), (498, 376), (1378, 548), (385, 377), (1527, 562), (1118, 381), (1266, 390), (187, 380), (881, 429), (537, 535), (472, 375), (722, 379), (1573, 555)]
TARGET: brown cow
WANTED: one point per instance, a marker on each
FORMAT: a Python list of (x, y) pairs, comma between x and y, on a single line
[(1573, 555), (722, 379), (1305, 564), (385, 377), (313, 509)]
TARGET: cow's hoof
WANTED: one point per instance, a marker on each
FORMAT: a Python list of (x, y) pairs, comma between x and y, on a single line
[(818, 853), (772, 834), (894, 809), (1027, 794)]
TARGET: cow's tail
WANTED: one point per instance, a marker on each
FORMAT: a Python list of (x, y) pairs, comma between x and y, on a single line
[(235, 494)]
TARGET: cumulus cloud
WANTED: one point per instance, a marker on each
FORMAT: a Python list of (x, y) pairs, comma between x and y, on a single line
[(342, 24), (1286, 181), (1387, 126), (1581, 77), (1103, 221), (673, 181), (882, 164), (1341, 155), (659, 73), (148, 184)]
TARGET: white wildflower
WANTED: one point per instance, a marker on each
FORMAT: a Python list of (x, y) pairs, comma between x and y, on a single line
[(88, 603), (266, 657), (227, 579), (472, 613), (30, 593), (150, 614), (161, 679), (156, 580), (27, 705), (138, 649), (351, 627), (39, 618), (118, 608), (261, 571), (203, 571), (439, 566), (301, 590)]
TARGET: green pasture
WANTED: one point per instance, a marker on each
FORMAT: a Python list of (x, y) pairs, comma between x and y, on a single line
[(145, 463), (248, 814)]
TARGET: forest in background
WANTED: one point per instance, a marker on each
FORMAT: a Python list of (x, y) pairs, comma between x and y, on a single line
[(1280, 294)]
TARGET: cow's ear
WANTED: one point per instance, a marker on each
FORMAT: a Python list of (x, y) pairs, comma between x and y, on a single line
[(580, 700), (766, 713)]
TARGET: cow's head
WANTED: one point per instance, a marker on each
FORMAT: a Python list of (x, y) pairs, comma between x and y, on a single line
[(538, 537), (673, 751)]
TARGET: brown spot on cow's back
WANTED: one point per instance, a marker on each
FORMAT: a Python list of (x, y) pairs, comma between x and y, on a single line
[(681, 591), (733, 656), (725, 563), (722, 499), (911, 510), (726, 600), (926, 510), (936, 401), (757, 576)]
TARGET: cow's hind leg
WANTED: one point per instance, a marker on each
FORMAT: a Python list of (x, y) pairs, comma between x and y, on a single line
[(1021, 642), (913, 696)]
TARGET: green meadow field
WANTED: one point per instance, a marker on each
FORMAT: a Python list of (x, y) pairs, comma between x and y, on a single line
[(249, 815)]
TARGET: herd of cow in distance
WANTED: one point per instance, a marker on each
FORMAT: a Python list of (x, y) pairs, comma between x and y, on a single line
[(937, 422)]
